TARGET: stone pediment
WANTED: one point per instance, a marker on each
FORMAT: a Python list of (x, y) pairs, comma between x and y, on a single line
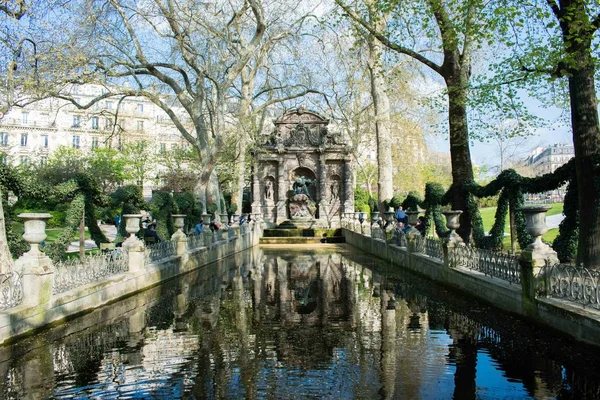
[(301, 128)]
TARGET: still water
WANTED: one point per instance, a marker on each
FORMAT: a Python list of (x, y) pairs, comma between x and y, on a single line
[(296, 323)]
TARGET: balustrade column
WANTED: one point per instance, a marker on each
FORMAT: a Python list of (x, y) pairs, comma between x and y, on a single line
[(255, 188), (322, 188), (179, 237), (133, 246), (453, 240), (535, 256), (38, 272)]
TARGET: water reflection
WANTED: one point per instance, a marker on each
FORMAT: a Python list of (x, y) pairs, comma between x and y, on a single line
[(298, 324)]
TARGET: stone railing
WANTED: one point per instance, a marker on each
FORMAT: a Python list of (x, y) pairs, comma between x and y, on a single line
[(11, 290), (73, 273), (572, 283), (39, 292)]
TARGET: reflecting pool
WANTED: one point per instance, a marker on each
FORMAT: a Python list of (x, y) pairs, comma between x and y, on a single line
[(299, 323)]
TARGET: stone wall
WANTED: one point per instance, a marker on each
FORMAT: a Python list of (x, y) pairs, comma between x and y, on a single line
[(574, 320), (37, 313)]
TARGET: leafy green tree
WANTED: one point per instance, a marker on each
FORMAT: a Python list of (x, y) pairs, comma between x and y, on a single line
[(554, 41), (448, 32), (109, 168)]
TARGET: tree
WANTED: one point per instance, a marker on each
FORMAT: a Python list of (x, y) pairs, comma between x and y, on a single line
[(182, 55), (453, 29), (567, 31)]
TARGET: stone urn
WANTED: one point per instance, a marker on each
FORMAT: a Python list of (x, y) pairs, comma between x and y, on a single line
[(453, 223), (535, 217), (375, 219), (412, 217), (235, 220), (412, 221), (389, 218), (205, 219), (179, 222), (224, 221), (132, 223), (35, 230)]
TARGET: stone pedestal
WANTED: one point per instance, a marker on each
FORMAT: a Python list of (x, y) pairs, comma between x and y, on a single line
[(133, 246), (36, 267), (179, 237)]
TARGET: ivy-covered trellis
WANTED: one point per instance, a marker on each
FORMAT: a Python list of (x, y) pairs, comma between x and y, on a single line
[(510, 187)]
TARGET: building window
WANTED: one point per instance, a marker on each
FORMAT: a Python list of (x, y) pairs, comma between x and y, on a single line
[(25, 117), (23, 139), (109, 105), (123, 124), (24, 161), (3, 138), (94, 143), (76, 121), (140, 108), (3, 159), (108, 124), (140, 125), (43, 161), (76, 141), (94, 122), (45, 141), (162, 148)]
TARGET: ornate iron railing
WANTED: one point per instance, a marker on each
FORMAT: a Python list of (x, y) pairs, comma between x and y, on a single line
[(195, 242), (573, 283), (73, 273), (490, 263), (429, 246), (11, 290), (159, 251)]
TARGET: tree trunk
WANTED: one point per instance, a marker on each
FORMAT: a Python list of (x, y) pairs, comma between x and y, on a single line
[(460, 154), (381, 105), (6, 261), (577, 36), (586, 141)]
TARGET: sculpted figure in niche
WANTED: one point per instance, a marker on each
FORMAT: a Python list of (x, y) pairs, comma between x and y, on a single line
[(268, 190), (335, 191)]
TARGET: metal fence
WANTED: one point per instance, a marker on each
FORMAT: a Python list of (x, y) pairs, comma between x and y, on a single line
[(73, 273), (11, 290), (573, 283), (195, 242), (429, 246), (159, 251), (490, 263)]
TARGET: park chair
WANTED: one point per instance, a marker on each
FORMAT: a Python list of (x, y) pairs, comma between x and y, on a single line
[(149, 240)]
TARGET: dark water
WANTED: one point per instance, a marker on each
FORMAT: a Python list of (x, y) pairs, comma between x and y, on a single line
[(299, 324)]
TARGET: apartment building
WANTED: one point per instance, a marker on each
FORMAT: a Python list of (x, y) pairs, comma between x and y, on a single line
[(544, 160), (30, 134)]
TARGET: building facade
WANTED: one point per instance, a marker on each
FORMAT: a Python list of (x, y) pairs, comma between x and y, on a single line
[(545, 160), (30, 134)]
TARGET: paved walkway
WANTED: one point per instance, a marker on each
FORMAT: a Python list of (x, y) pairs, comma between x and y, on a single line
[(109, 230), (554, 220)]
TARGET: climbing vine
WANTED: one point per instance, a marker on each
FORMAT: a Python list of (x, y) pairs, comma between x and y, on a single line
[(510, 188)]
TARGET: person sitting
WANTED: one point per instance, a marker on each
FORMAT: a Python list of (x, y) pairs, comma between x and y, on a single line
[(420, 224), (150, 236), (198, 228)]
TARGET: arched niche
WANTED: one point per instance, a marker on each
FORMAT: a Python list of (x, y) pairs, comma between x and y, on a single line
[(309, 174)]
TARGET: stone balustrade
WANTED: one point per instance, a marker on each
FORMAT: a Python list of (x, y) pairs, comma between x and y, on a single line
[(532, 284), (39, 292)]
